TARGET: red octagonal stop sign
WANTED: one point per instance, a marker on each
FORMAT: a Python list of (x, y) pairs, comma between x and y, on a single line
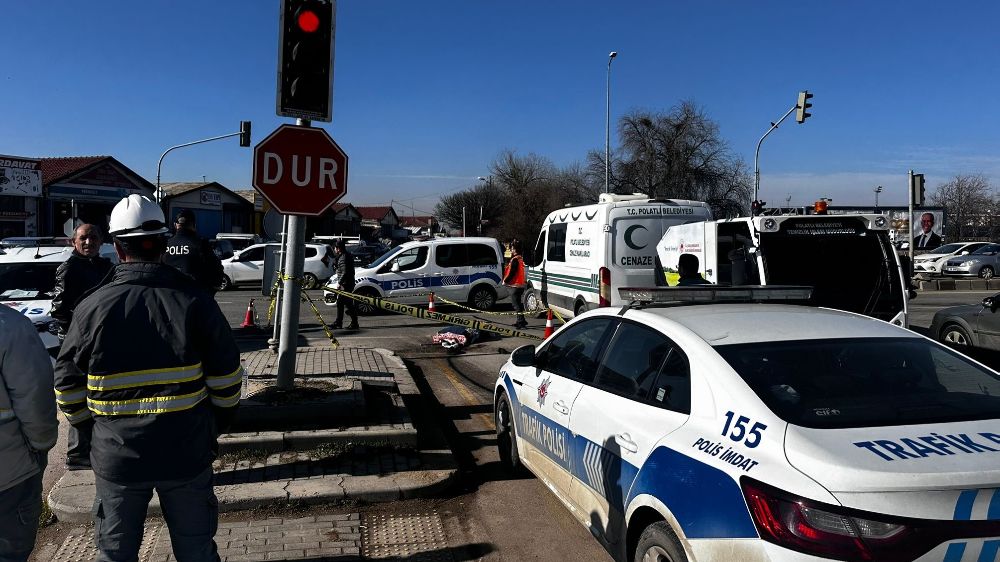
[(300, 170)]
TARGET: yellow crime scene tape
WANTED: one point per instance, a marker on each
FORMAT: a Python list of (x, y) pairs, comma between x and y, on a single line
[(305, 298), (489, 312), (417, 312)]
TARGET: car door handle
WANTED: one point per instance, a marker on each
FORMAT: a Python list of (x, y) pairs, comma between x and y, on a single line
[(625, 441), (560, 407)]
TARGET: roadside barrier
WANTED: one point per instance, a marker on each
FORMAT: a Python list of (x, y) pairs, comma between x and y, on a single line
[(417, 312)]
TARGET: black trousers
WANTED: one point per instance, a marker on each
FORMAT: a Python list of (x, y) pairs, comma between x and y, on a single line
[(346, 302), (517, 299)]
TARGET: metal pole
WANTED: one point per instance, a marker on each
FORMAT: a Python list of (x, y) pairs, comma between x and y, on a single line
[(756, 155), (294, 261), (273, 342), (480, 220), (607, 127), (463, 222), (159, 163), (909, 220)]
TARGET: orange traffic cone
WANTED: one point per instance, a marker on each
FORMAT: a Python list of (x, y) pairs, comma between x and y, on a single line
[(548, 325), (248, 320), (430, 303)]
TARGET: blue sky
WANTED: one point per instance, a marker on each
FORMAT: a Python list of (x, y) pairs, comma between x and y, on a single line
[(428, 93)]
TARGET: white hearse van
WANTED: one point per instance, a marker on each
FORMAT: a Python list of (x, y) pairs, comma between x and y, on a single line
[(463, 270), (585, 254)]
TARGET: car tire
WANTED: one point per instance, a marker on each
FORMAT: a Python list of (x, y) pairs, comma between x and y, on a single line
[(363, 308), (309, 281), (532, 304), (658, 542), (510, 459), (955, 335), (482, 297), (227, 283), (580, 308), (986, 272)]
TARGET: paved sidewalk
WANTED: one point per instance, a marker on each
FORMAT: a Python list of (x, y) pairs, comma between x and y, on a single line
[(375, 462)]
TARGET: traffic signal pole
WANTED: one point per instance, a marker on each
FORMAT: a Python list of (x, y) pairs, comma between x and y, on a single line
[(288, 341), (756, 155), (909, 221)]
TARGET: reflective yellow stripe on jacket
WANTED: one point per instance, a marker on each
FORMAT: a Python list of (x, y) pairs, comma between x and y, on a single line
[(216, 383), (151, 405), (75, 396), (148, 377)]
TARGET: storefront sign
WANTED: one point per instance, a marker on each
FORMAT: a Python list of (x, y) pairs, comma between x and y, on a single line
[(20, 177), (211, 198)]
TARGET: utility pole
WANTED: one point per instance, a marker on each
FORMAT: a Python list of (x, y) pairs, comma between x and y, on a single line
[(909, 222)]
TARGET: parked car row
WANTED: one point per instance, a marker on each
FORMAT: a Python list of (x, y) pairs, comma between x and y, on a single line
[(960, 259)]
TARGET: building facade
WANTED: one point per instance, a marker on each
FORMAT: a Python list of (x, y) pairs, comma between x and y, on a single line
[(216, 208)]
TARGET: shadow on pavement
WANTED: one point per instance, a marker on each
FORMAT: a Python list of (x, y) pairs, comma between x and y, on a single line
[(472, 551)]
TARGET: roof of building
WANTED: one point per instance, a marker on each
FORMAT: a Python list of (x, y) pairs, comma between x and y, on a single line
[(176, 189), (55, 169), (418, 220), (374, 213)]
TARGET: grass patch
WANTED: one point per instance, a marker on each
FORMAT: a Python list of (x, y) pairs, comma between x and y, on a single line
[(47, 517), (251, 455)]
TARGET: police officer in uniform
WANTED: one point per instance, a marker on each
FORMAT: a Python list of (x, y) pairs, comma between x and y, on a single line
[(151, 359), (343, 264), (193, 255)]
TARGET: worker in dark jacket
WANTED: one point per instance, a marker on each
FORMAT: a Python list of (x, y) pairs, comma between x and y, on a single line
[(192, 254), (150, 357), (343, 264), (84, 270)]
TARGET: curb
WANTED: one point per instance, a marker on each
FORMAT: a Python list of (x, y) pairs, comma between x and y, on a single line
[(277, 441), (930, 285)]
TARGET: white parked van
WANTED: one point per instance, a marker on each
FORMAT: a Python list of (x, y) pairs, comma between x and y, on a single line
[(465, 270), (584, 254)]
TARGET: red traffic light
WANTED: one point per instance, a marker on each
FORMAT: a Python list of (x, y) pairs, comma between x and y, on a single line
[(307, 20)]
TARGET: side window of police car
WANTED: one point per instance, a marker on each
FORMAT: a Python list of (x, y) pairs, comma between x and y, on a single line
[(645, 365), (575, 351), (413, 258), (557, 242)]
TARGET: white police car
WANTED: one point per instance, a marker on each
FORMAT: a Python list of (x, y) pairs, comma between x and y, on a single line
[(461, 269), (27, 279), (750, 432)]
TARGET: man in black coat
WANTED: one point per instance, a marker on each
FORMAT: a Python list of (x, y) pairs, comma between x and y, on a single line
[(344, 267), (83, 271), (193, 255)]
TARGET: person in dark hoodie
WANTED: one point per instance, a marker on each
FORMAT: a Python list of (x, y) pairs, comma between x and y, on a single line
[(83, 271), (192, 254)]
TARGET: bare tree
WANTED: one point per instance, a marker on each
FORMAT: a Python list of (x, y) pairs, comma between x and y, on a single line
[(968, 200), (493, 203)]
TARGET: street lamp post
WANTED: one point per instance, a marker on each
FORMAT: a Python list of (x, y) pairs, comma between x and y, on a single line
[(877, 190), (607, 125), (244, 135)]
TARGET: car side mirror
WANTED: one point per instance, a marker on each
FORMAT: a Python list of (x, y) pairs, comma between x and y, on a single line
[(523, 356), (964, 253), (991, 303), (395, 267)]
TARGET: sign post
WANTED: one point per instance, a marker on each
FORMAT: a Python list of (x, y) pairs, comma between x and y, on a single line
[(302, 172)]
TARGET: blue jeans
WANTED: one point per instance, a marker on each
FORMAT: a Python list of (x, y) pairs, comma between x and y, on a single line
[(189, 508), (20, 508)]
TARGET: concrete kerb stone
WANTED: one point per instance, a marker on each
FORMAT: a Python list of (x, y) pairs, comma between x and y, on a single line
[(404, 381), (277, 441)]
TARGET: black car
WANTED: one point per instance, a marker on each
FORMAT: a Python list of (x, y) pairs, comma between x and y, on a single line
[(969, 325)]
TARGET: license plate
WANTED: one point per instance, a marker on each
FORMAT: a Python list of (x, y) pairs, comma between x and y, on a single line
[(951, 269)]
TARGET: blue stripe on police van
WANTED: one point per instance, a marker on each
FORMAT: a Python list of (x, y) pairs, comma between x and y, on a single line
[(993, 513), (963, 512), (989, 551), (706, 501)]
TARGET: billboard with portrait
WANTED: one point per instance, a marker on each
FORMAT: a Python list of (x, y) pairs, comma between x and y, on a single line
[(925, 232)]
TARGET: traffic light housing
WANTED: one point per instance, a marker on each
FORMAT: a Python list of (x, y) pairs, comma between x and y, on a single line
[(801, 114), (918, 190), (244, 133), (305, 59)]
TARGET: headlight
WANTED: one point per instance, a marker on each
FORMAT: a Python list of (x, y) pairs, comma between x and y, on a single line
[(968, 263)]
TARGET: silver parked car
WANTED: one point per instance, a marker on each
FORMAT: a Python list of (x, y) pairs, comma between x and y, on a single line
[(984, 262), (932, 263)]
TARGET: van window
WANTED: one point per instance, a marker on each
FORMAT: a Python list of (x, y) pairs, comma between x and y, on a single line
[(737, 266), (408, 260), (535, 259), (556, 249), (451, 255), (481, 254), (310, 252)]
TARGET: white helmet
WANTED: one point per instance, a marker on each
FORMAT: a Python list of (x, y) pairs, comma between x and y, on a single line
[(136, 215)]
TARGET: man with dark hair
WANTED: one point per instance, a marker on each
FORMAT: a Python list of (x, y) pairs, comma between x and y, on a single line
[(84, 270), (687, 267), (28, 429), (343, 264), (151, 359), (927, 239), (192, 254)]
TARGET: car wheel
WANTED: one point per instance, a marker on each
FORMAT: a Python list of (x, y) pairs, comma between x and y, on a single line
[(482, 297), (227, 283), (953, 334), (986, 272), (580, 308), (364, 308), (659, 544), (309, 281), (507, 436)]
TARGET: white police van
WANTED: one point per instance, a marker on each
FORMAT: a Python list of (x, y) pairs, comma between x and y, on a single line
[(461, 269), (751, 432), (584, 254), (27, 280)]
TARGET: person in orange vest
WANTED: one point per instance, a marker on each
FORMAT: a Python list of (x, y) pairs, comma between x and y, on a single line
[(515, 277)]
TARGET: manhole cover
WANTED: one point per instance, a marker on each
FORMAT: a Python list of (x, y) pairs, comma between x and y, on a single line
[(79, 545), (417, 537)]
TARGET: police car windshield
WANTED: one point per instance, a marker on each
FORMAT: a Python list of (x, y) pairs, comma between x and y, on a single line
[(27, 281), (845, 383), (385, 257)]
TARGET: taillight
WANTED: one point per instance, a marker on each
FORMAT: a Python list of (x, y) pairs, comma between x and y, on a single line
[(604, 298), (841, 533)]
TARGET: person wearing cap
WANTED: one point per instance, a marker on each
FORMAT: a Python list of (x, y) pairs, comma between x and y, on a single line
[(343, 265), (192, 254), (151, 360)]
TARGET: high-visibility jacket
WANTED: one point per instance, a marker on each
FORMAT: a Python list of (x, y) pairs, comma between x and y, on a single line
[(150, 358), (514, 275)]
